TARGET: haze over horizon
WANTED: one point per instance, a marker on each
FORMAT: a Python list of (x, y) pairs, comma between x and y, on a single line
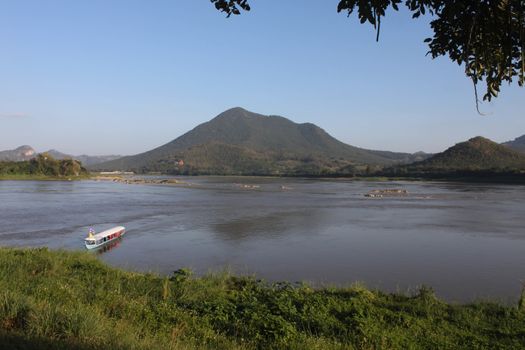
[(125, 77)]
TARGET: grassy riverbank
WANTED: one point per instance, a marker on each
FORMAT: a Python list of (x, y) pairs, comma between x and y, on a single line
[(65, 300)]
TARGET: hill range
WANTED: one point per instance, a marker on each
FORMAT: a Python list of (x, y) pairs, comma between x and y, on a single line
[(18, 154), (518, 144), (26, 152), (241, 142), (477, 155)]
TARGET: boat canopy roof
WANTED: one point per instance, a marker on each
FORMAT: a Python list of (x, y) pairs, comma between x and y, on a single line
[(106, 233)]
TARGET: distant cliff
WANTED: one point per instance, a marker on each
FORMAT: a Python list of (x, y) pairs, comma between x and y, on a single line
[(19, 154)]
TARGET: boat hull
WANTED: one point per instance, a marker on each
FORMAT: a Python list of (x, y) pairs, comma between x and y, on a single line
[(102, 241)]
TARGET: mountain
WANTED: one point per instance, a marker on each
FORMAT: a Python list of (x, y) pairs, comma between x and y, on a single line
[(19, 154), (58, 155), (91, 160), (403, 158), (27, 152), (84, 159), (238, 141), (518, 144), (476, 154)]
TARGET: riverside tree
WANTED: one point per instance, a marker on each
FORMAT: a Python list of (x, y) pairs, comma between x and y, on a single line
[(487, 37)]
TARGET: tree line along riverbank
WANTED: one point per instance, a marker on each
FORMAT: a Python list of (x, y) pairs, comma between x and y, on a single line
[(43, 167), (71, 300)]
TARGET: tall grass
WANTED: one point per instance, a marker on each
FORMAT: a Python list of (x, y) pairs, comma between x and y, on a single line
[(66, 300)]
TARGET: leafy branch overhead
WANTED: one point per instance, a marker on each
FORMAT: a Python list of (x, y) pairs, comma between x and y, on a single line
[(486, 36), (231, 6)]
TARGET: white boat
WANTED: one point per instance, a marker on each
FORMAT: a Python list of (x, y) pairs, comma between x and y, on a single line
[(95, 240)]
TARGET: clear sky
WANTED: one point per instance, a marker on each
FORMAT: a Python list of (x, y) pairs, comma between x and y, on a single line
[(124, 76)]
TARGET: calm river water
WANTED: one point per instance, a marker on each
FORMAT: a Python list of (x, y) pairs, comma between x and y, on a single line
[(467, 241)]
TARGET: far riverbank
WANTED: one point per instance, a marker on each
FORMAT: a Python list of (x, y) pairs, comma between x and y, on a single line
[(31, 177)]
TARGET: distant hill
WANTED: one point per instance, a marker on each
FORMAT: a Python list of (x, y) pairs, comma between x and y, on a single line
[(57, 154), (476, 154), (84, 159), (19, 154), (27, 152), (518, 144), (91, 160), (241, 142), (403, 158)]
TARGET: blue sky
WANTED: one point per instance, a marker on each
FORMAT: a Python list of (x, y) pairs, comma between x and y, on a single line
[(124, 76)]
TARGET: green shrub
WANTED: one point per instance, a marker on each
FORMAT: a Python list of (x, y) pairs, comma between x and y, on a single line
[(72, 300)]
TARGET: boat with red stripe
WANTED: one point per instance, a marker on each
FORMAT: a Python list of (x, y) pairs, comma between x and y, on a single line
[(95, 240)]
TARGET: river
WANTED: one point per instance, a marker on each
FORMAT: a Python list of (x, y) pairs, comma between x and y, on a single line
[(467, 241)]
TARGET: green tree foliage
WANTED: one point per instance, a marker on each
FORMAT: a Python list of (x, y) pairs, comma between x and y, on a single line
[(231, 6), (487, 36), (43, 165), (70, 167)]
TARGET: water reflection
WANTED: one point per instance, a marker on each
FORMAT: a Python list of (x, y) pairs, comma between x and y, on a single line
[(108, 247), (55, 187), (268, 224)]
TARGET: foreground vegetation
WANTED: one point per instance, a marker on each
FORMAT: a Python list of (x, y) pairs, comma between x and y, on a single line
[(65, 300)]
